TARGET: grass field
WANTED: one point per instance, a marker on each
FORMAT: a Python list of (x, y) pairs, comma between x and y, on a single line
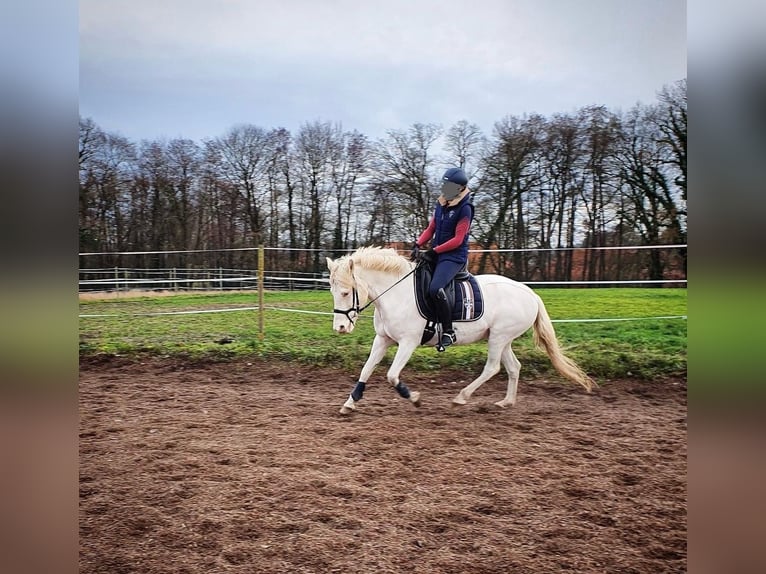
[(298, 327)]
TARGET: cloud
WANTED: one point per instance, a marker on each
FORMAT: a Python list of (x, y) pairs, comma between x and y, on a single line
[(429, 60)]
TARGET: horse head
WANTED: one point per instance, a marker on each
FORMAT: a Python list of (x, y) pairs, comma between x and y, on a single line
[(348, 294)]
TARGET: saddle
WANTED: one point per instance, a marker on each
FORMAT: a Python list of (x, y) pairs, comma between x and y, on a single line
[(463, 294)]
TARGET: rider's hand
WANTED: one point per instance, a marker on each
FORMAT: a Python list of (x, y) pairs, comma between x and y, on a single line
[(415, 253), (429, 256)]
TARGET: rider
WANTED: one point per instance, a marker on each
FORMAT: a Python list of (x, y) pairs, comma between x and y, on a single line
[(448, 227)]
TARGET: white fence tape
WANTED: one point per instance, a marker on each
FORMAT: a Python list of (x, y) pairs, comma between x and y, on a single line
[(269, 308), (127, 282), (204, 280), (160, 313)]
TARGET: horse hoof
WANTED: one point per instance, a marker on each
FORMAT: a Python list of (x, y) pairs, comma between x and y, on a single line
[(344, 410), (415, 398), (457, 401), (501, 404)]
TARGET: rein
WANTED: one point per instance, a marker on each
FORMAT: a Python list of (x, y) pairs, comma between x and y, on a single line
[(355, 294)]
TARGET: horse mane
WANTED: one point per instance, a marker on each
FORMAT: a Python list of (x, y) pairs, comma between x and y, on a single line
[(383, 259)]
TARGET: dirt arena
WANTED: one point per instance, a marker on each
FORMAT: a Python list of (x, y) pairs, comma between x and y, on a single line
[(249, 468)]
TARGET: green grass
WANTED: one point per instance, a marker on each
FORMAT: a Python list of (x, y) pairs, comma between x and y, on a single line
[(646, 349)]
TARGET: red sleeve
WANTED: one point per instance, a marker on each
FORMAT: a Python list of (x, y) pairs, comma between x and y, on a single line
[(427, 234), (461, 230)]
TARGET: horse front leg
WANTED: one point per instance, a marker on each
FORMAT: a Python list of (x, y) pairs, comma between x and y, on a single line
[(403, 354), (380, 345)]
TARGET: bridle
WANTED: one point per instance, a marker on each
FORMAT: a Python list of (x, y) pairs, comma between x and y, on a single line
[(355, 308)]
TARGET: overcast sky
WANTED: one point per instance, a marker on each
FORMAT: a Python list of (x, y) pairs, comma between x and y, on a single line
[(195, 68)]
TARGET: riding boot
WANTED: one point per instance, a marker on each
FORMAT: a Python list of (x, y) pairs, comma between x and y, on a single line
[(444, 312)]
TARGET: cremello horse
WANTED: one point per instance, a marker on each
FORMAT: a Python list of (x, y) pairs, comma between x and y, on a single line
[(372, 275)]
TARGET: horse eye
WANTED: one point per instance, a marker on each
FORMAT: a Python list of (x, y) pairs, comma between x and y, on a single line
[(344, 293)]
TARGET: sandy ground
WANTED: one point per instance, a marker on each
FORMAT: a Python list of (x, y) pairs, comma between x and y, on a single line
[(248, 467)]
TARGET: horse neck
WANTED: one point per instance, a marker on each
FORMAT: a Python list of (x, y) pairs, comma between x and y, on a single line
[(378, 282)]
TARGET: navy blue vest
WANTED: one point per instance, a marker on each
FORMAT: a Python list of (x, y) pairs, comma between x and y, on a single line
[(446, 219)]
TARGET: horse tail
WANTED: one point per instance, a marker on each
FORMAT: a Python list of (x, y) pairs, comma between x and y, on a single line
[(545, 340)]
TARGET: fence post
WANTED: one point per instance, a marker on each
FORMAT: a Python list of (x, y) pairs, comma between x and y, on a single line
[(260, 291)]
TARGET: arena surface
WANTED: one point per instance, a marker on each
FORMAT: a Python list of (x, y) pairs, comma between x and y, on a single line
[(248, 468)]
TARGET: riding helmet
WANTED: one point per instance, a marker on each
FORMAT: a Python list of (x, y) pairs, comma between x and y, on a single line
[(454, 181)]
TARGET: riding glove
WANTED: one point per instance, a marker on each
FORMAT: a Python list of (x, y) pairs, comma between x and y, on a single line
[(429, 256)]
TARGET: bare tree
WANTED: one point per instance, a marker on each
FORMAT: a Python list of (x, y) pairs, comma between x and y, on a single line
[(349, 164), (601, 131), (284, 193), (314, 149), (91, 140), (651, 205), (510, 172), (182, 157), (464, 143), (404, 170), (151, 201), (672, 123), (107, 169), (220, 205), (280, 192), (242, 156), (91, 137), (563, 156)]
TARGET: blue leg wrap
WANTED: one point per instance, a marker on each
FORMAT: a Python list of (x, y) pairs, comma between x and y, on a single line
[(358, 391), (403, 391)]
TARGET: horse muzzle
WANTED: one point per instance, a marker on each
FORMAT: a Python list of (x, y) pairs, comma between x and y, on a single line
[(343, 326), (343, 322)]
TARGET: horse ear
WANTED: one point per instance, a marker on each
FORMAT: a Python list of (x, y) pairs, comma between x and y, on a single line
[(330, 264), (351, 265)]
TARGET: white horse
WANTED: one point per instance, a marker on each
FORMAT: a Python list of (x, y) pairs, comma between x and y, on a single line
[(384, 278)]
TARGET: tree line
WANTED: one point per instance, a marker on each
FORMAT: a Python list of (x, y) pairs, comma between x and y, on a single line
[(590, 178)]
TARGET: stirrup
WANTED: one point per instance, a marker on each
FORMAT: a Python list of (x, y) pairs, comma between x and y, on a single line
[(448, 338)]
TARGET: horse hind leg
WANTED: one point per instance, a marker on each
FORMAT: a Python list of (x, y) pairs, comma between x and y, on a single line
[(512, 367), (491, 368)]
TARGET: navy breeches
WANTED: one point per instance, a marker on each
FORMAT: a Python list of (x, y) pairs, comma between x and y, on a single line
[(445, 272)]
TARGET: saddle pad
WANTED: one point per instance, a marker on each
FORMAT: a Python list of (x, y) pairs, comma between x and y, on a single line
[(468, 306), (469, 303)]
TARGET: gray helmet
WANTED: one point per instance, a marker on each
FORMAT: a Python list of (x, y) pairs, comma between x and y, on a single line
[(454, 181)]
